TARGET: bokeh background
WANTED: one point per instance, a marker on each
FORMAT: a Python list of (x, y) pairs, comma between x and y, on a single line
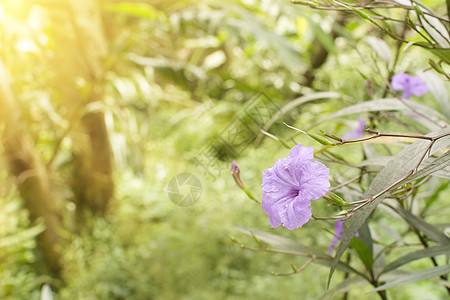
[(103, 103)]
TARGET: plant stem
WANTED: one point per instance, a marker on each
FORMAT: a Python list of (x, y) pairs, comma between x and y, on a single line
[(345, 297), (433, 260), (382, 294)]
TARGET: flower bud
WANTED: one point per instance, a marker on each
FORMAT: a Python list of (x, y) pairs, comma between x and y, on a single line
[(235, 171)]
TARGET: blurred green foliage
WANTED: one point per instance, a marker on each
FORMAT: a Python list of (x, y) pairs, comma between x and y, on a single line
[(177, 73)]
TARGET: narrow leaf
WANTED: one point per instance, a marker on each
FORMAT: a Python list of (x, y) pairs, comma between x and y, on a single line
[(381, 48), (410, 257), (279, 241), (363, 252), (427, 274), (297, 102), (344, 286), (399, 166), (443, 54), (437, 165), (325, 39), (439, 88), (435, 30), (429, 230), (244, 20), (378, 161), (291, 247), (384, 105)]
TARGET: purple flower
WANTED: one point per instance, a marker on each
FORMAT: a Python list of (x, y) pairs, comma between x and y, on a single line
[(339, 231), (358, 131), (410, 85), (290, 185)]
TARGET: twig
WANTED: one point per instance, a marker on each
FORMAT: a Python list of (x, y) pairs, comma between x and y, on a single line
[(364, 202), (301, 254), (296, 270)]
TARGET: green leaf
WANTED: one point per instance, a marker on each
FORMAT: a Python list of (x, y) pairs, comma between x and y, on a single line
[(436, 165), (361, 13), (282, 141), (435, 196), (244, 20), (426, 274), (378, 161), (399, 166), (384, 105), (439, 88), (436, 67), (429, 230), (366, 237), (322, 140), (445, 173), (443, 54), (291, 247), (279, 241), (319, 138), (435, 29), (392, 232), (410, 257), (379, 259), (167, 63), (19, 237), (363, 252), (381, 48), (335, 199), (366, 16), (344, 286), (325, 39), (297, 102)]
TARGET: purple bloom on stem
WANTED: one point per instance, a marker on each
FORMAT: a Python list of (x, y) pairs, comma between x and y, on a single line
[(358, 132), (290, 185), (338, 233), (339, 230), (410, 85)]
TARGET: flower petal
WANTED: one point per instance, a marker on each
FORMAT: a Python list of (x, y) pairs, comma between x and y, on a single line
[(358, 131), (278, 177), (274, 204), (339, 230), (290, 185), (297, 213), (400, 81), (407, 92), (300, 154), (410, 85), (313, 179), (418, 86)]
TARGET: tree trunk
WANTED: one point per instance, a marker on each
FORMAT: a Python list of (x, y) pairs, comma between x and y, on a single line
[(320, 53), (32, 178), (81, 49), (93, 184)]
